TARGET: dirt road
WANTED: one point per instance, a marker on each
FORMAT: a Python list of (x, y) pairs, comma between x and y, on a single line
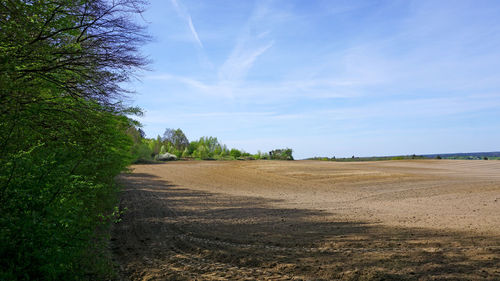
[(311, 220)]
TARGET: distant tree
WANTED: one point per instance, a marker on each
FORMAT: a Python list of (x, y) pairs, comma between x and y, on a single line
[(211, 143), (141, 149), (235, 153), (157, 145), (281, 154), (185, 153), (438, 157), (217, 151), (201, 152), (192, 147), (485, 158), (177, 138), (224, 150), (258, 156), (163, 150)]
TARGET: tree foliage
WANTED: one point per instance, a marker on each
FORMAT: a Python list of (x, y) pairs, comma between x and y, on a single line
[(176, 138), (64, 134), (84, 48), (281, 154), (205, 148)]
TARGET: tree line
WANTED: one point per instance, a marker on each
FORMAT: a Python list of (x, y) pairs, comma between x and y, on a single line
[(63, 132), (175, 142)]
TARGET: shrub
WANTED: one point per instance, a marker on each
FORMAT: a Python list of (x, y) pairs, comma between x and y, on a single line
[(142, 153)]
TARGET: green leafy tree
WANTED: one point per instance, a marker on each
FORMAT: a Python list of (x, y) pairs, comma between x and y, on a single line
[(235, 153), (193, 145), (177, 138), (157, 145), (143, 153), (64, 134), (185, 153), (281, 154), (261, 155), (163, 150), (201, 152), (141, 150), (224, 151)]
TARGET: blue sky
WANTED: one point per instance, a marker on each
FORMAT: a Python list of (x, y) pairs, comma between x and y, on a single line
[(326, 78)]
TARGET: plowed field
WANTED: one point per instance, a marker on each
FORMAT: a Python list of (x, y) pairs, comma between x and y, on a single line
[(310, 220)]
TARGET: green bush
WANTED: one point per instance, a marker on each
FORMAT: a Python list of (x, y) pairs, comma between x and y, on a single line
[(142, 153), (58, 188)]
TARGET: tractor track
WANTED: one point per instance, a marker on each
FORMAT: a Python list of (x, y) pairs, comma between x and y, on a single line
[(194, 221)]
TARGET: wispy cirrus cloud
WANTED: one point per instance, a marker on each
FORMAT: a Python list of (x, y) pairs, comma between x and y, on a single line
[(184, 14), (292, 89), (193, 31), (240, 61), (251, 43)]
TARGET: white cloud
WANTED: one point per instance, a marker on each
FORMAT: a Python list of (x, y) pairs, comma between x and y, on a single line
[(184, 14), (266, 92), (240, 61), (252, 42), (193, 31)]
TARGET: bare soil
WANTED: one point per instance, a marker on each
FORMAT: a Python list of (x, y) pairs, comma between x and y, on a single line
[(310, 220)]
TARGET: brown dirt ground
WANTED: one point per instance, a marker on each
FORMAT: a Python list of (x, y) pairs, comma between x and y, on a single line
[(310, 220)]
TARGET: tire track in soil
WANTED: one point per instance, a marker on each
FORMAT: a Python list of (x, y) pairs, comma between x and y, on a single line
[(181, 264), (176, 233)]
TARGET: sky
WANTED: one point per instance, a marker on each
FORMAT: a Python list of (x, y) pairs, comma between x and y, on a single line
[(325, 78)]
